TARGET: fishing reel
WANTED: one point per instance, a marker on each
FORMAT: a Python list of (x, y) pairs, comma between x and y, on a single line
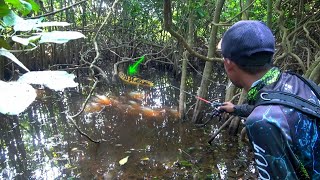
[(215, 112)]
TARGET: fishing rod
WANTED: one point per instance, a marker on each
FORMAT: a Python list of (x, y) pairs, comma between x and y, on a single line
[(213, 104)]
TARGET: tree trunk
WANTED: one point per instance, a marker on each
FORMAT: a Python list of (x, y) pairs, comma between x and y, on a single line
[(182, 98), (208, 66), (269, 13), (230, 91), (315, 73), (235, 122)]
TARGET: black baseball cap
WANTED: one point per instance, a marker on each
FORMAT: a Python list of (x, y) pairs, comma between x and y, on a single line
[(248, 43)]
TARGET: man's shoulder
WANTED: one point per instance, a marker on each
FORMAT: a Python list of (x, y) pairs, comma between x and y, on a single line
[(266, 114)]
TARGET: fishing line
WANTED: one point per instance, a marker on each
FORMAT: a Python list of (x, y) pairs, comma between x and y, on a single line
[(220, 84), (197, 97)]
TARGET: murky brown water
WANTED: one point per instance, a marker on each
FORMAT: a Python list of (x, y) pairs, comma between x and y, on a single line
[(42, 143)]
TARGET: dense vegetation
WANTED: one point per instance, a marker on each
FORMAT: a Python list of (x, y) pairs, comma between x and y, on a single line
[(180, 35)]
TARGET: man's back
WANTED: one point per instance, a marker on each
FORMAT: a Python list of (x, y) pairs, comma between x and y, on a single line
[(285, 140)]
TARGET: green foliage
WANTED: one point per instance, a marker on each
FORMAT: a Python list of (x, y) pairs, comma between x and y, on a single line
[(4, 9), (35, 6), (4, 44), (21, 6)]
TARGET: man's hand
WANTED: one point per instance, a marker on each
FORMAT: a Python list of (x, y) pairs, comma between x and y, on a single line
[(227, 107)]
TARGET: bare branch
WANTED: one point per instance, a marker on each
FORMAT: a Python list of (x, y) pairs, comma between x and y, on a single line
[(168, 23), (57, 11)]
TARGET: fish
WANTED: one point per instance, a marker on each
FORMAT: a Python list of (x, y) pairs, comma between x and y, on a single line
[(148, 112), (134, 80), (93, 107), (173, 112), (137, 95), (103, 100), (134, 104), (133, 110)]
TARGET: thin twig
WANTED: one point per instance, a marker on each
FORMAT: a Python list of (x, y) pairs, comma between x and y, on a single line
[(57, 11), (86, 101), (82, 133), (70, 117), (96, 47)]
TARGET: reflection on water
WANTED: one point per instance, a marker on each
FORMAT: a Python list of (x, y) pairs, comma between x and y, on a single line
[(42, 144)]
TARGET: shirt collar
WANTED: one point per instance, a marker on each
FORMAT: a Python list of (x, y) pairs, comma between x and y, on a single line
[(270, 77)]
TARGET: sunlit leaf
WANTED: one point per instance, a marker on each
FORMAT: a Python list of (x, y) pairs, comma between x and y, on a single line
[(74, 149), (22, 6), (15, 3), (123, 161), (54, 154), (4, 44), (25, 41), (20, 40), (6, 53), (19, 24), (15, 97), (68, 166), (54, 23), (26, 25), (145, 159), (55, 80), (59, 36)]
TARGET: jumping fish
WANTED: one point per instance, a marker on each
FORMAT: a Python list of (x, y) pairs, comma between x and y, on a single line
[(148, 112), (104, 100), (93, 107), (137, 95)]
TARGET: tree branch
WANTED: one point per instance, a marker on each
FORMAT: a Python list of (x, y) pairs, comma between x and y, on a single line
[(57, 11), (167, 25), (98, 31)]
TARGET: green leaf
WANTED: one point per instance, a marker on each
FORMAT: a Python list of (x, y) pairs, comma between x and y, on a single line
[(185, 163), (59, 36), (200, 12), (11, 19), (123, 161), (35, 6), (6, 53), (15, 3), (4, 44), (22, 6), (27, 7), (4, 9)]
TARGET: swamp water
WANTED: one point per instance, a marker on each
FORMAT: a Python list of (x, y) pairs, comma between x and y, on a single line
[(41, 143)]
